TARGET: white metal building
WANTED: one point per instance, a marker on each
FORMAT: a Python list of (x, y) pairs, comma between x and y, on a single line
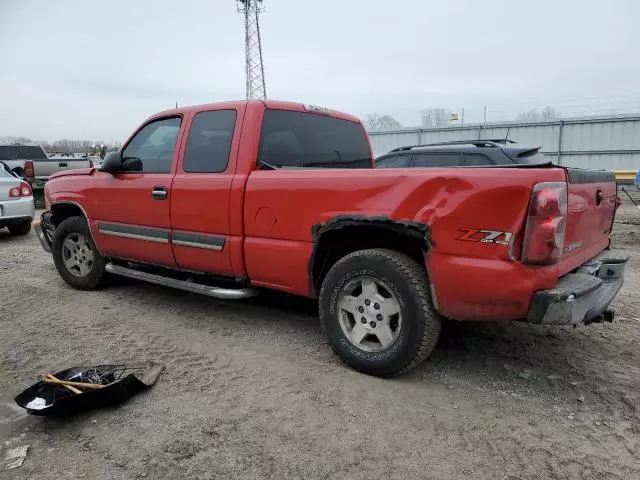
[(609, 143)]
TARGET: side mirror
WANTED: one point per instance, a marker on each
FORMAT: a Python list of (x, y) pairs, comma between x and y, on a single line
[(131, 164), (112, 163)]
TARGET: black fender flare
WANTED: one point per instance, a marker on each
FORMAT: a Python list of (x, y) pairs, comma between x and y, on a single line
[(416, 230)]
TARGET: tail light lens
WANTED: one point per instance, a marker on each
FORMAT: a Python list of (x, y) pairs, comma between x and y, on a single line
[(24, 190), (546, 224), (28, 169)]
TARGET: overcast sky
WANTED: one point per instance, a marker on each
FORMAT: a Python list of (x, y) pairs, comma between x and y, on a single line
[(95, 69)]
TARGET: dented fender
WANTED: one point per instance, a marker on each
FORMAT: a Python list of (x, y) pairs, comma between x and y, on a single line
[(419, 231)]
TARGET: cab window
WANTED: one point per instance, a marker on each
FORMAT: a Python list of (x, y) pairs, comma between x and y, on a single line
[(155, 145), (209, 142)]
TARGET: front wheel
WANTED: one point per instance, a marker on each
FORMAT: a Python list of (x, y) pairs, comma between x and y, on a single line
[(376, 311), (75, 255)]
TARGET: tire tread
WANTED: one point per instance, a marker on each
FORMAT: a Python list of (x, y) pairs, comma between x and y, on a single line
[(95, 279), (418, 278)]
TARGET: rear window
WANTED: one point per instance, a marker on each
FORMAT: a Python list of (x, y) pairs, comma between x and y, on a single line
[(393, 161), (437, 160), (476, 160), (5, 171), (21, 152), (306, 140)]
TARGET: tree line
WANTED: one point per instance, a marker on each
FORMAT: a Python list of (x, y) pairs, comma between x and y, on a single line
[(64, 145), (441, 116)]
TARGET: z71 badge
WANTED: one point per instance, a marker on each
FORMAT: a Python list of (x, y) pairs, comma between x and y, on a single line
[(485, 236), (573, 246)]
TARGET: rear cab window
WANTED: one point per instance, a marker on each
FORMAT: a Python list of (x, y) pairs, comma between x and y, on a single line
[(209, 142), (292, 139), (22, 152)]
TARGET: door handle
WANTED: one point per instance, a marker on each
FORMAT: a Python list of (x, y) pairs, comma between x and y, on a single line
[(159, 193)]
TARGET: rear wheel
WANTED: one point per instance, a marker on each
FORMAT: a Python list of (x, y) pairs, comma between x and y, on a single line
[(376, 310), (75, 255), (21, 228)]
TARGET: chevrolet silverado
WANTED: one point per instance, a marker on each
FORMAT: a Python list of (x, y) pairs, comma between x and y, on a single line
[(227, 199)]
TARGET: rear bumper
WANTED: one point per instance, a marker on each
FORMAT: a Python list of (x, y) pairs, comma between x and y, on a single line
[(584, 296), (44, 229), (16, 210)]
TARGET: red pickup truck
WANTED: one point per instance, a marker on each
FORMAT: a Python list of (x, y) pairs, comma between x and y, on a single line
[(228, 198)]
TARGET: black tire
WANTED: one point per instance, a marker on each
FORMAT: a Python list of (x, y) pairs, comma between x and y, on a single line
[(419, 330), (21, 228), (95, 277)]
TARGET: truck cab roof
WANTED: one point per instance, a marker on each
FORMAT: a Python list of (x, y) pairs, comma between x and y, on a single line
[(269, 104)]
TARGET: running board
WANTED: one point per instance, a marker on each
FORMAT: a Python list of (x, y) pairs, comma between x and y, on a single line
[(221, 293)]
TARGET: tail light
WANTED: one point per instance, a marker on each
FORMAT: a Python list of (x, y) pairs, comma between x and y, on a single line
[(24, 190), (28, 169), (546, 224)]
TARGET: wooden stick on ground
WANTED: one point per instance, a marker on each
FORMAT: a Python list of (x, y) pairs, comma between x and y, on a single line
[(65, 383), (68, 387)]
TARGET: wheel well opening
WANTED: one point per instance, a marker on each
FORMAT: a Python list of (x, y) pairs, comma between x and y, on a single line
[(62, 211), (334, 244)]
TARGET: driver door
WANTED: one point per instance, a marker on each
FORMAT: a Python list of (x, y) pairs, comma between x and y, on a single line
[(132, 210)]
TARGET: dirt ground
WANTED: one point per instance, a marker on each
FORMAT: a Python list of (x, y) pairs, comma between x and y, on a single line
[(252, 391)]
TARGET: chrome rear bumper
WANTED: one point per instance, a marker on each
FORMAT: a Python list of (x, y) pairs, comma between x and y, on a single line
[(582, 297)]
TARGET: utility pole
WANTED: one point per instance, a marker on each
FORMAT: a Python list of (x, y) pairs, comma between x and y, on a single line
[(485, 114), (254, 68)]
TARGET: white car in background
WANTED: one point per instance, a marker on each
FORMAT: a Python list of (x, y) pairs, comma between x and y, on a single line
[(17, 208)]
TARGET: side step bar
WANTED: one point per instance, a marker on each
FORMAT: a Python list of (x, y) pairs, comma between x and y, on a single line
[(221, 293)]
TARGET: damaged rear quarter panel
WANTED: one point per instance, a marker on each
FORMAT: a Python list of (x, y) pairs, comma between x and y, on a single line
[(299, 204)]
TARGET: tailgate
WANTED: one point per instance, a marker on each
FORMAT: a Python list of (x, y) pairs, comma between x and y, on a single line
[(591, 207)]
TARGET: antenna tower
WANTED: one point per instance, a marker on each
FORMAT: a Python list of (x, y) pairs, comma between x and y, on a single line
[(254, 68)]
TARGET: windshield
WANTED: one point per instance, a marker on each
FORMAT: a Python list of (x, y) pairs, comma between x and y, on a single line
[(21, 152)]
